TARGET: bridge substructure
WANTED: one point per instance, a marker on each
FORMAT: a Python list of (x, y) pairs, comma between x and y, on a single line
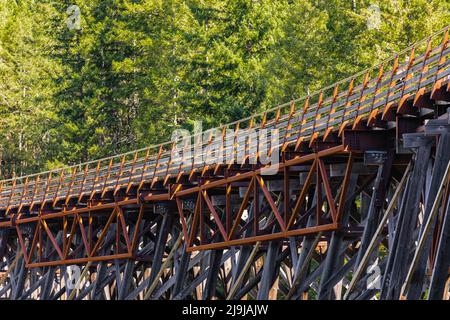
[(356, 208)]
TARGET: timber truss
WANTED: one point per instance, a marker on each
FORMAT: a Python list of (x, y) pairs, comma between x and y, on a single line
[(358, 207)]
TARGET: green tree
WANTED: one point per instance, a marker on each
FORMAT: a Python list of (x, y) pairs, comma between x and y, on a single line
[(26, 85), (223, 47), (325, 41), (138, 69)]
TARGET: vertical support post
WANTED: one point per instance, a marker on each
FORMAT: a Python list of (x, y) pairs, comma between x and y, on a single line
[(397, 261), (442, 262), (376, 202), (181, 271), (160, 244), (215, 261), (334, 261), (269, 270), (440, 164)]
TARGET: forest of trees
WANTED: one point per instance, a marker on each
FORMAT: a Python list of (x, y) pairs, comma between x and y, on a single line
[(136, 70)]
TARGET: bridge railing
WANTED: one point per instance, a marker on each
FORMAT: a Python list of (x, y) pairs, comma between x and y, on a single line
[(354, 101)]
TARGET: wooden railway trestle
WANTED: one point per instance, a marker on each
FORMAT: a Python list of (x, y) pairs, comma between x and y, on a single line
[(363, 181)]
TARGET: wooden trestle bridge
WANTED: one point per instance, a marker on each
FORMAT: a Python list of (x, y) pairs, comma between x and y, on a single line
[(358, 208)]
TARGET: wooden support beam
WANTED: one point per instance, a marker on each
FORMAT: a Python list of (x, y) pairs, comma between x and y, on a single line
[(398, 257), (438, 178), (442, 262)]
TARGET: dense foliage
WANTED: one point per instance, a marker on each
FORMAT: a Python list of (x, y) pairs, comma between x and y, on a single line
[(138, 69)]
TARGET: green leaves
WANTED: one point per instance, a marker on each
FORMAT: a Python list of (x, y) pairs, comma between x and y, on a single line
[(138, 69)]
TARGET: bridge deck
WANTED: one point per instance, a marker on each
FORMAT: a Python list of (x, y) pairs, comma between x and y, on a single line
[(358, 102)]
